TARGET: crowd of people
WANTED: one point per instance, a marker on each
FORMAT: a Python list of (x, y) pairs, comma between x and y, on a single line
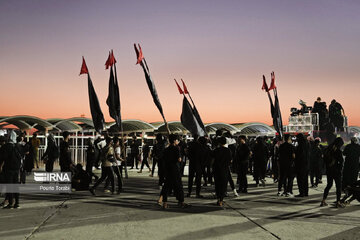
[(210, 161)]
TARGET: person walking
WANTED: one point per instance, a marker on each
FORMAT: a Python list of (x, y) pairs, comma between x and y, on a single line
[(351, 165), (286, 167), (157, 155), (242, 160), (35, 144), (172, 159), (315, 163), (196, 155), (65, 154), (334, 161), (145, 151), (302, 165), (222, 160), (51, 153), (10, 163), (108, 157), (260, 160), (90, 159)]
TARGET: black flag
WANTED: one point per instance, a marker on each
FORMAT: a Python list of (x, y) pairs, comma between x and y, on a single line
[(141, 60), (277, 119), (189, 121), (96, 113), (275, 108), (113, 100), (195, 111)]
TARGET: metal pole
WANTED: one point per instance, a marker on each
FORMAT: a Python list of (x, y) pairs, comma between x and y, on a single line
[(82, 146)]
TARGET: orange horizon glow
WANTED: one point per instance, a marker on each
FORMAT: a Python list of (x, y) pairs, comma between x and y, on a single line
[(220, 49)]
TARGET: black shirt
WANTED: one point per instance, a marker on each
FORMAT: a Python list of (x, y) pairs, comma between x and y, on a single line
[(242, 153), (171, 160), (222, 159), (65, 154), (286, 151)]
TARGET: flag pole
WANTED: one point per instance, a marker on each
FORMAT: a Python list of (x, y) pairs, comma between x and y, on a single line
[(145, 67), (122, 137), (188, 93)]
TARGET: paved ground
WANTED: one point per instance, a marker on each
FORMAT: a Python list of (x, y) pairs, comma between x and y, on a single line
[(134, 214)]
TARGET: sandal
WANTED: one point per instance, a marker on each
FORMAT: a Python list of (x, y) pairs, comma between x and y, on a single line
[(323, 203), (339, 205), (183, 205)]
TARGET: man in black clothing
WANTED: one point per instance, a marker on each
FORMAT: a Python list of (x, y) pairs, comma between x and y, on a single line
[(260, 160), (336, 113), (196, 155), (65, 154), (222, 160), (315, 162), (183, 152), (302, 165), (172, 172), (242, 161), (351, 166), (157, 155), (145, 150), (11, 162), (97, 151), (90, 159), (334, 161), (320, 108), (80, 180), (51, 153), (134, 154), (206, 165), (286, 166)]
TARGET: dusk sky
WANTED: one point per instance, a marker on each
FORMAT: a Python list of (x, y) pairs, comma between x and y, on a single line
[(220, 48)]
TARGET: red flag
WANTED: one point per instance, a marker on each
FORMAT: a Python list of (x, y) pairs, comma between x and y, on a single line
[(84, 69), (272, 85), (111, 60), (265, 86), (185, 88), (107, 63), (179, 88), (139, 54)]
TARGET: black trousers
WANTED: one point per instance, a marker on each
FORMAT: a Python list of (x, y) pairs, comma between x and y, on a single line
[(197, 172), (89, 166), (275, 168), (182, 165), (259, 170), (314, 174), (331, 176), (230, 180), (220, 184), (49, 167), (303, 182), (160, 170), (286, 180), (12, 176), (106, 172), (173, 183), (161, 173), (117, 171), (206, 171), (134, 160), (145, 162), (242, 179)]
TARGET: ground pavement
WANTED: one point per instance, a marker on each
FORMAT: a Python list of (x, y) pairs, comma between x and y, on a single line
[(134, 214)]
